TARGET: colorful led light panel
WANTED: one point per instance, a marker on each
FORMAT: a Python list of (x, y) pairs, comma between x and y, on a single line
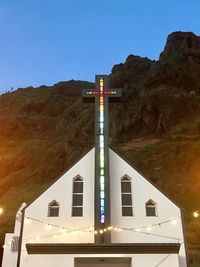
[(102, 152)]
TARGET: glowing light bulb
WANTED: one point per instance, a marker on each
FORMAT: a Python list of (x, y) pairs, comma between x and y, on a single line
[(149, 228), (174, 221), (28, 220), (101, 231), (1, 211), (48, 226), (196, 214), (95, 232), (138, 230)]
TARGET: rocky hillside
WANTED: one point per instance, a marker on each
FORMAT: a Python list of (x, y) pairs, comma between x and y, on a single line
[(156, 127)]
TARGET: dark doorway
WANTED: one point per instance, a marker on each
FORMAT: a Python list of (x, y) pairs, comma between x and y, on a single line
[(102, 262)]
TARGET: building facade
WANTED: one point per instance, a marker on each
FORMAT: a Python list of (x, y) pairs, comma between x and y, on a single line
[(58, 228)]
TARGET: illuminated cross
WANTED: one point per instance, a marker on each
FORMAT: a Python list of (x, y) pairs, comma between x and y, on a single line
[(101, 95)]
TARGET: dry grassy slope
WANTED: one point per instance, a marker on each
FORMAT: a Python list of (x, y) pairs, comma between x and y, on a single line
[(42, 131), (38, 148), (156, 127), (173, 164)]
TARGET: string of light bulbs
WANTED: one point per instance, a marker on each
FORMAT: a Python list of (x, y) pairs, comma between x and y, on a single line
[(158, 235), (90, 229), (100, 231), (196, 213), (55, 235), (49, 225)]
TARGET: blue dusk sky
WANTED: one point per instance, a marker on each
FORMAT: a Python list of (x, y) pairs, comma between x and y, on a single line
[(44, 42)]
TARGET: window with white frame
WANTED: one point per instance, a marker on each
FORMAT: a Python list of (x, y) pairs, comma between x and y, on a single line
[(126, 196), (77, 197), (151, 209), (53, 210)]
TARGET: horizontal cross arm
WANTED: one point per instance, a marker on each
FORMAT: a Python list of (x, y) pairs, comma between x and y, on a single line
[(89, 92), (89, 95), (114, 92)]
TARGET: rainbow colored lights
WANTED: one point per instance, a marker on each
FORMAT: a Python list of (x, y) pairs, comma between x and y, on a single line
[(102, 152), (102, 96), (105, 93)]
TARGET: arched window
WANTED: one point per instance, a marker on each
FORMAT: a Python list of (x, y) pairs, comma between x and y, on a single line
[(53, 210), (151, 208), (77, 198), (126, 196)]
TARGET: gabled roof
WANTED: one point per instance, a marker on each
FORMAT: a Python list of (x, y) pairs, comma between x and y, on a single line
[(131, 165)]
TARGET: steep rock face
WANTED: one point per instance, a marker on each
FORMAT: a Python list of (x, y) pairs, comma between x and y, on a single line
[(159, 94), (183, 46), (179, 63), (134, 70)]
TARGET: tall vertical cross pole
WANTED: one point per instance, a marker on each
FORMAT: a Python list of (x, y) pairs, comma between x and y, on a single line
[(101, 95)]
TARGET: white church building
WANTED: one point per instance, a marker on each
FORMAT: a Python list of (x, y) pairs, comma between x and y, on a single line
[(100, 213)]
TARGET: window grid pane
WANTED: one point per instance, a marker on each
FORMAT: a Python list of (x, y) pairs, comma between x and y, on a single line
[(126, 197), (77, 198), (127, 211), (78, 187), (126, 187), (53, 211), (77, 211), (126, 200), (150, 211)]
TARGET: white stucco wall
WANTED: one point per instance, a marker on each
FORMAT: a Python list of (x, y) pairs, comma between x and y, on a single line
[(138, 260), (61, 191), (142, 191), (10, 257)]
